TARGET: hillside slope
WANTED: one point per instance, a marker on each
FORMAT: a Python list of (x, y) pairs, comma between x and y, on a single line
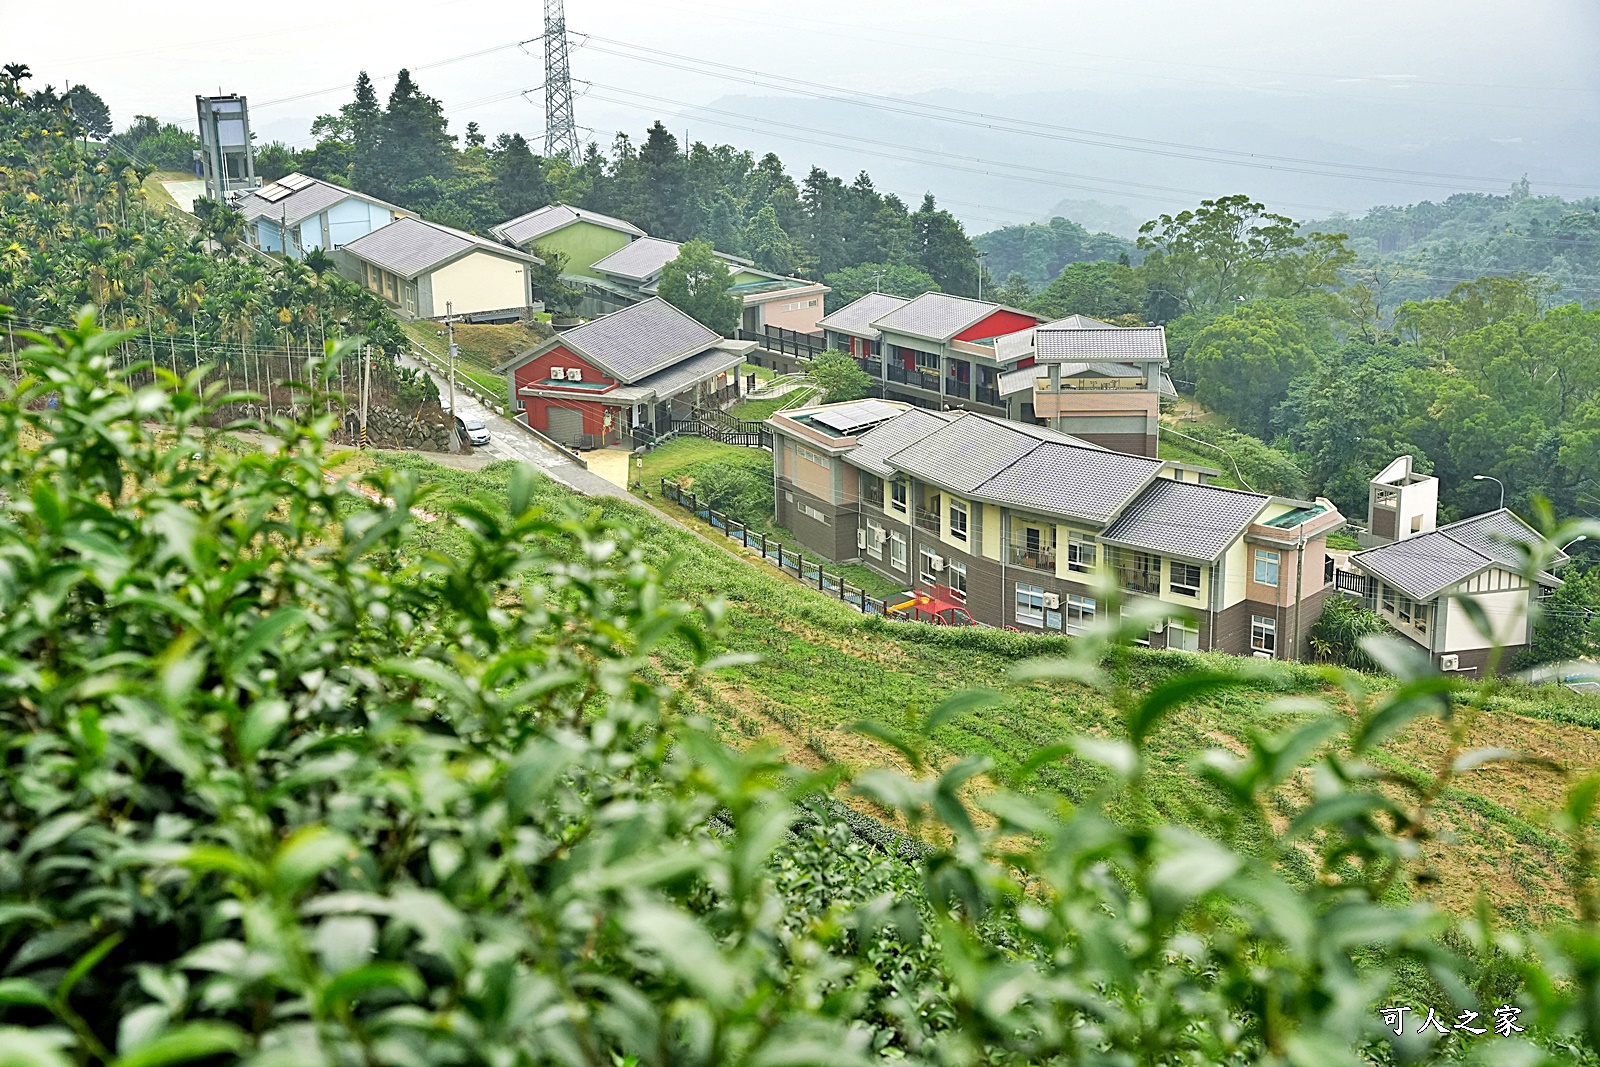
[(824, 667)]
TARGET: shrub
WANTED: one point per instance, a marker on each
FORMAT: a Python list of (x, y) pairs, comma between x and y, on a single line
[(1337, 634), (744, 494)]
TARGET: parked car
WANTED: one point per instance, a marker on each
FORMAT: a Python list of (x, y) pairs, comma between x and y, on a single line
[(473, 430)]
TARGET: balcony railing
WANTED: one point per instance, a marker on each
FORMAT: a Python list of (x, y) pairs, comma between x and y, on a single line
[(1036, 556), (957, 387), (927, 520), (873, 367), (1138, 580), (986, 394), (916, 378)]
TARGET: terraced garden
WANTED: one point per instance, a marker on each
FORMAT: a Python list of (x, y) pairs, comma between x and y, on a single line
[(824, 667)]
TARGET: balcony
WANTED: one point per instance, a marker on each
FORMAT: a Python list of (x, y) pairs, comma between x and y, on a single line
[(1139, 580), (956, 387), (927, 520), (988, 394), (873, 367), (915, 378), (1039, 557)]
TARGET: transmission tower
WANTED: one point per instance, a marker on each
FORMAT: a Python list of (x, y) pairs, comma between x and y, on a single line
[(560, 131)]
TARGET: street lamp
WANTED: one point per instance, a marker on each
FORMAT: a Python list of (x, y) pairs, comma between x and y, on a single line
[(1496, 481), (981, 257), (1575, 540)]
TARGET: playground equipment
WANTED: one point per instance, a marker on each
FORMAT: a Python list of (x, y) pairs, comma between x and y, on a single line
[(940, 606)]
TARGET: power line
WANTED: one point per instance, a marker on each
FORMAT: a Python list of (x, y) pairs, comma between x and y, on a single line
[(344, 86), (1025, 127)]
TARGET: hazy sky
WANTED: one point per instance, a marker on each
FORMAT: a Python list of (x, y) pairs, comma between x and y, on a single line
[(1434, 63)]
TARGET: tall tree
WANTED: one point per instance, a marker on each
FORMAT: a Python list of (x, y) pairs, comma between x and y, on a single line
[(88, 111), (942, 249), (519, 181), (1242, 364), (661, 179), (412, 146), (696, 283), (769, 246)]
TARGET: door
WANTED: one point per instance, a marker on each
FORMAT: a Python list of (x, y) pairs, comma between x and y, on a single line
[(565, 424)]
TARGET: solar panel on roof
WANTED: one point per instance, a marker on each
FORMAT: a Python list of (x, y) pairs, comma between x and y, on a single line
[(273, 193), (853, 417), (296, 181)]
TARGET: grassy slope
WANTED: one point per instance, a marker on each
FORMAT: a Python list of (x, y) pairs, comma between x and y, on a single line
[(480, 348), (825, 667), (156, 194)]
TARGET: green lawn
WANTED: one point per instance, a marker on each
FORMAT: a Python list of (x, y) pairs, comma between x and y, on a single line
[(760, 410), (824, 667), (480, 348)]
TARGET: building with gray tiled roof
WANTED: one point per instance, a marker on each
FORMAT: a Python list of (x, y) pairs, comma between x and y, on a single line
[(315, 214), (426, 271), (1420, 577), (622, 378), (1029, 528)]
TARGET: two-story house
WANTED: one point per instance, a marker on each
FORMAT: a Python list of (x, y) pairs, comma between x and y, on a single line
[(623, 376), (1026, 525), (298, 213), (935, 351), (1419, 576)]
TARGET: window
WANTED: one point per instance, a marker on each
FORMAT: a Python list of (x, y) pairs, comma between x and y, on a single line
[(1404, 609), (874, 540), (927, 361), (1183, 636), (812, 513), (898, 492), (1080, 613), (956, 575), (811, 457), (1185, 579), (1080, 552), (871, 489), (1388, 600), (897, 551), (958, 520), (1263, 633), (1266, 567), (925, 569), (1141, 572), (1030, 605)]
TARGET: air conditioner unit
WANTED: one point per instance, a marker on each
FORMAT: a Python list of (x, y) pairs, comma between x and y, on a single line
[(1450, 662), (1052, 601), (881, 534), (937, 562), (558, 374), (861, 539), (574, 374), (1262, 655)]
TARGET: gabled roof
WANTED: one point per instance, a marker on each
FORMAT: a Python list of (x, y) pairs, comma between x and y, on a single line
[(1022, 466), (412, 246), (855, 316), (890, 437), (680, 376), (938, 316), (297, 197), (631, 344), (526, 229), (1183, 519), (1425, 565), (1079, 339), (643, 259)]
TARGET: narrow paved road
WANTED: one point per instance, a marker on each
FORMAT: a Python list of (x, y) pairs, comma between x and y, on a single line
[(509, 441)]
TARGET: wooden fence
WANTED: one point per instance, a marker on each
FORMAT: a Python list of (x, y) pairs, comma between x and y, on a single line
[(780, 555)]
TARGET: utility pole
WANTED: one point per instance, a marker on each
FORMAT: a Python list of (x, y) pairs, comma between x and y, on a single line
[(981, 257), (450, 324), (560, 128), (366, 390)]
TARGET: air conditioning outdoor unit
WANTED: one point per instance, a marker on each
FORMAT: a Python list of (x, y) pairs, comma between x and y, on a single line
[(574, 374), (1052, 601), (558, 374), (1450, 662), (861, 539), (881, 534), (937, 562), (1262, 655)]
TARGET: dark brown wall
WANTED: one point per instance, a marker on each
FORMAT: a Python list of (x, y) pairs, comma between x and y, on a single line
[(835, 539), (1135, 444), (1383, 520), (1474, 661)]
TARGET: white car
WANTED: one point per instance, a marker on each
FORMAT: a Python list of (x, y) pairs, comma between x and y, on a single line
[(473, 430)]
